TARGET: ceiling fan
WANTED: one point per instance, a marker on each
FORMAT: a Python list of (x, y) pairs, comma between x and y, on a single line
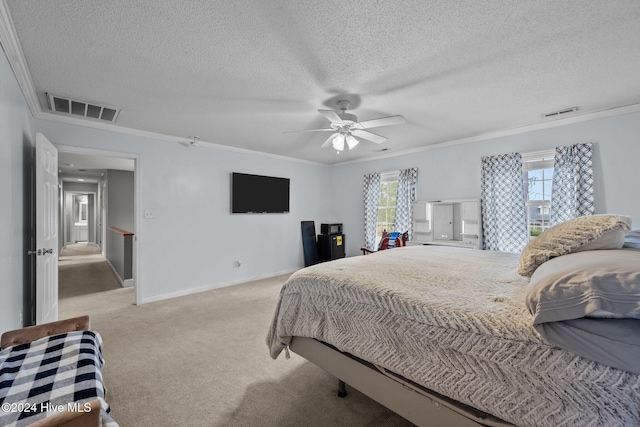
[(346, 127)]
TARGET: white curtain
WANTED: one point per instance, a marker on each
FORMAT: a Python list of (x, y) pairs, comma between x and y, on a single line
[(504, 215), (371, 196), (406, 196), (572, 187)]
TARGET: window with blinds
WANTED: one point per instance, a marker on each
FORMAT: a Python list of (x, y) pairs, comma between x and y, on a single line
[(537, 172), (387, 204)]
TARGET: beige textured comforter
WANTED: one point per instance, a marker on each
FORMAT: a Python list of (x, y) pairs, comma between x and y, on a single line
[(454, 321)]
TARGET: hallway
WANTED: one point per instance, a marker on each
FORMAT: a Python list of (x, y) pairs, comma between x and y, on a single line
[(83, 272)]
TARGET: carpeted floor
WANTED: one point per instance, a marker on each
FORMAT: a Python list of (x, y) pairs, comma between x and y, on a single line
[(82, 270), (201, 360)]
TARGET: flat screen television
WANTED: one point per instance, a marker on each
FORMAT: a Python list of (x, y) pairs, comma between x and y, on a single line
[(259, 194)]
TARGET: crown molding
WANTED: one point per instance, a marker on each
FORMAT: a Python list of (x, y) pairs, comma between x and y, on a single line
[(13, 50), (610, 112), (58, 118)]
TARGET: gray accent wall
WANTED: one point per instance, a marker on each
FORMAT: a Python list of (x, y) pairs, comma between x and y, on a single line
[(17, 142), (120, 203), (120, 213), (119, 252)]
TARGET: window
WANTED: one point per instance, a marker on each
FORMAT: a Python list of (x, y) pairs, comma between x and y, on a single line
[(387, 204), (537, 171)]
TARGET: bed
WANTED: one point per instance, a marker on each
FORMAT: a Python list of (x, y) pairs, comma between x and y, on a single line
[(451, 326)]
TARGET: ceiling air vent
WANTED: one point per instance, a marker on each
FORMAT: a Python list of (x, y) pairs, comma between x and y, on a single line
[(561, 112), (81, 108)]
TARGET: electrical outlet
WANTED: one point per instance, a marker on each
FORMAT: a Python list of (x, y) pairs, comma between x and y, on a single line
[(149, 214), (20, 319)]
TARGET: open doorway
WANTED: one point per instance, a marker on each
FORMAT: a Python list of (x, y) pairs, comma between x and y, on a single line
[(78, 216), (99, 193)]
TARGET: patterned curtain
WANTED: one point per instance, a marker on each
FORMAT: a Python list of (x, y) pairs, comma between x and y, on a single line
[(371, 195), (406, 196), (572, 187), (504, 215)]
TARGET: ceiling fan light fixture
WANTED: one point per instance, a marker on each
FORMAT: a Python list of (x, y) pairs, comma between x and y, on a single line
[(351, 141), (346, 127)]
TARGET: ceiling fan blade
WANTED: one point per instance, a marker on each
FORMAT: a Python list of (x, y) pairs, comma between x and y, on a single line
[(329, 140), (310, 130), (332, 116), (378, 139), (382, 121)]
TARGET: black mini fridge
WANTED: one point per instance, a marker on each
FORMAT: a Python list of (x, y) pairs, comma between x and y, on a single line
[(331, 246)]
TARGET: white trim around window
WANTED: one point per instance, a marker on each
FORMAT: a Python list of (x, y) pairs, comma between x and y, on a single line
[(538, 160)]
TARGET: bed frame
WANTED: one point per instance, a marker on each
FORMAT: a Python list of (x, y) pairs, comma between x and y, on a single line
[(413, 402)]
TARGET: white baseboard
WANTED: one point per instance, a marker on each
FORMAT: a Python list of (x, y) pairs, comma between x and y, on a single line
[(190, 291), (122, 282)]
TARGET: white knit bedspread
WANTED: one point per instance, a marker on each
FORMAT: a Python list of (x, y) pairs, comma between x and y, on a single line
[(453, 320)]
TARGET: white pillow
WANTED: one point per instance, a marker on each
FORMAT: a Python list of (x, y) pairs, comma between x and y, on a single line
[(586, 284)]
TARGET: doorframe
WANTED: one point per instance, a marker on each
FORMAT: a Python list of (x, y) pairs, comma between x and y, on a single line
[(137, 203), (95, 219)]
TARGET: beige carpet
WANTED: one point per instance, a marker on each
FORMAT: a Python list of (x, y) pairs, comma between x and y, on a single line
[(201, 360), (82, 270)]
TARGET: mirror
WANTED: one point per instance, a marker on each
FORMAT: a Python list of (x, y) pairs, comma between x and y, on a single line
[(83, 212), (81, 208)]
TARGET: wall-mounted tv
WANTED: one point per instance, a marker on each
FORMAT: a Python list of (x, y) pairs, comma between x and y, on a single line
[(259, 194)]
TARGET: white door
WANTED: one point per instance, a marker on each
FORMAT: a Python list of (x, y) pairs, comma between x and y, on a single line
[(46, 230), (443, 222)]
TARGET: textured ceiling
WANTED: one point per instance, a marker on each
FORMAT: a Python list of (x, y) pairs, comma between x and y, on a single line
[(90, 168), (240, 73)]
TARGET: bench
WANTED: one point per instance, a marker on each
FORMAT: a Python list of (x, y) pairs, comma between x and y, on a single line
[(51, 376)]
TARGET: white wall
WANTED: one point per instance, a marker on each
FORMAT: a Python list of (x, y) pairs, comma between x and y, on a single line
[(16, 157), (194, 240), (454, 172)]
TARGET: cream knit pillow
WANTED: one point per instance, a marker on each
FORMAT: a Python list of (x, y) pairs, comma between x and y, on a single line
[(578, 234)]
